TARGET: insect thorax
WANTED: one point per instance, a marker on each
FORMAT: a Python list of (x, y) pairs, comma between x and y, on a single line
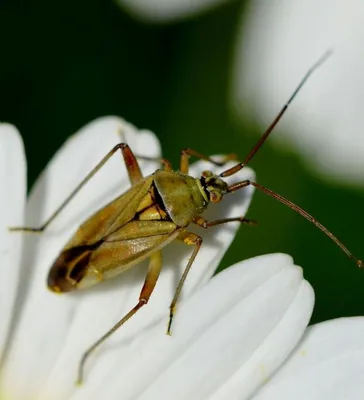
[(182, 196)]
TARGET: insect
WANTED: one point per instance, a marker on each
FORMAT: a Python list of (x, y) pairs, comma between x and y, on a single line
[(155, 211)]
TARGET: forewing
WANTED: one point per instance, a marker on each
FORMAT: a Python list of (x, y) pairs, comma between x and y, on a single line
[(109, 218), (114, 257)]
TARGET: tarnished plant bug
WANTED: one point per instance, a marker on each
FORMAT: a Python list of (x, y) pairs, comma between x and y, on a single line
[(155, 211)]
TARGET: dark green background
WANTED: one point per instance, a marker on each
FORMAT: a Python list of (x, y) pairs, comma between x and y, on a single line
[(65, 63)]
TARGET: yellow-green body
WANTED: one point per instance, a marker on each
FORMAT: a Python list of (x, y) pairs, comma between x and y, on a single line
[(128, 230)]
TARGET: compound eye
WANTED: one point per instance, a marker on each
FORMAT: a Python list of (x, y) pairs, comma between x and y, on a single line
[(206, 174), (215, 196)]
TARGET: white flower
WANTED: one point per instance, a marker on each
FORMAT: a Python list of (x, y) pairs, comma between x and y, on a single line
[(276, 45), (167, 10), (230, 335)]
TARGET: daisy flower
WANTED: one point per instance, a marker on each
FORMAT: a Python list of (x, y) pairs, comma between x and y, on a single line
[(239, 335), (276, 42)]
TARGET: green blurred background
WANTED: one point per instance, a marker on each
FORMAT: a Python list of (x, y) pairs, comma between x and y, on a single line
[(66, 63)]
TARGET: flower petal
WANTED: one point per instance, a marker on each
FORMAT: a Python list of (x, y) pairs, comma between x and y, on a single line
[(327, 364), (75, 321), (104, 307), (167, 10), (12, 201), (227, 340), (46, 318), (273, 53)]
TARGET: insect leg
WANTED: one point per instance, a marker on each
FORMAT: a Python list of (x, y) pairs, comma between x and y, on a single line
[(155, 266), (166, 163), (131, 163), (132, 167), (189, 239), (187, 153), (167, 166), (299, 210), (200, 221)]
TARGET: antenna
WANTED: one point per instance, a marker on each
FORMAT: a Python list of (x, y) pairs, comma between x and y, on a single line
[(270, 128), (283, 200)]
